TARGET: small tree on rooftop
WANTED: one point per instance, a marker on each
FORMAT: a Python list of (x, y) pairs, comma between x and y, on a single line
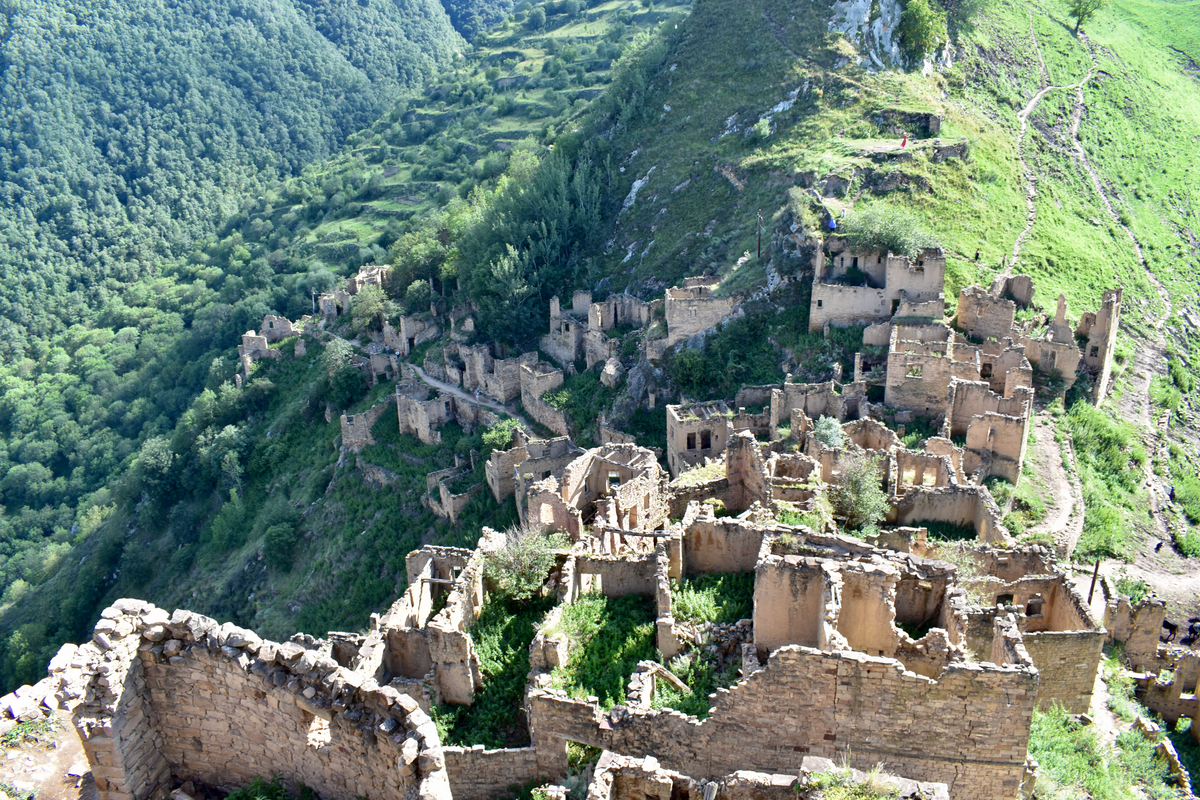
[(828, 431), (859, 499), (519, 569), (886, 228)]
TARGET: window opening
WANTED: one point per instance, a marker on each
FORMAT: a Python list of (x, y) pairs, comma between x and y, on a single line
[(705, 440), (1004, 599), (691, 441)]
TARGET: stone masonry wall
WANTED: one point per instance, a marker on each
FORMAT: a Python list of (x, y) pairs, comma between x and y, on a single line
[(356, 428), (479, 774), (1067, 662), (182, 697), (535, 383), (969, 729)]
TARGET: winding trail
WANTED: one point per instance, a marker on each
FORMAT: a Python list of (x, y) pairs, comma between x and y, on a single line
[(1030, 177), (447, 388)]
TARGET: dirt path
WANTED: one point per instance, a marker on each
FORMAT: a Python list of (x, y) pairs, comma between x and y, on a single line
[(1029, 176), (56, 770), (442, 386), (1060, 488)]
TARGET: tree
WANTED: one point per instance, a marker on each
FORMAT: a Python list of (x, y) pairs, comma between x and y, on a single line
[(1083, 10), (922, 28), (536, 19), (828, 432), (367, 308), (859, 500), (519, 569)]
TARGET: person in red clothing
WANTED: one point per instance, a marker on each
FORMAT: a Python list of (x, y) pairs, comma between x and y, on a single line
[(904, 141)]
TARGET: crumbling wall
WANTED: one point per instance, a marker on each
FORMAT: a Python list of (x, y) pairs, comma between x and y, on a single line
[(480, 774), (996, 446), (422, 418), (814, 400), (746, 472), (1101, 331), (356, 428), (969, 728), (693, 309), (694, 433), (536, 380), (183, 698), (1138, 627), (793, 601), (720, 545), (984, 315), (969, 399), (959, 505), (501, 469), (275, 329)]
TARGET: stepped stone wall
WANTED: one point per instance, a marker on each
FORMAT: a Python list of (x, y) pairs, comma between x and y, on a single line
[(179, 697)]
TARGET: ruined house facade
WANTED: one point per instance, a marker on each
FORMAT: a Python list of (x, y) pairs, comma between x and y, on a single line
[(989, 317), (581, 331), (861, 288)]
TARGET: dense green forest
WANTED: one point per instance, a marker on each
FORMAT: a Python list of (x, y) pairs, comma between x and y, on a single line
[(130, 464), (128, 130)]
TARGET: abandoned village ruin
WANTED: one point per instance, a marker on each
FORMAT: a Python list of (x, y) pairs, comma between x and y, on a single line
[(866, 650)]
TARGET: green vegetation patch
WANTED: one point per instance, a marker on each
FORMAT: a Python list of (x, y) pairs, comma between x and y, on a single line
[(502, 636), (609, 636), (1072, 756), (1111, 465), (719, 598)]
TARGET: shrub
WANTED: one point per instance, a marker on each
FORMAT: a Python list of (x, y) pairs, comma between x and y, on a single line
[(859, 500), (884, 227), (828, 431), (500, 435), (519, 569), (720, 597), (922, 28), (279, 545)]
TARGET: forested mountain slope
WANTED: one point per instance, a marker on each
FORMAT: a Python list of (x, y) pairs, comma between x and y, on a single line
[(129, 129), (87, 412)]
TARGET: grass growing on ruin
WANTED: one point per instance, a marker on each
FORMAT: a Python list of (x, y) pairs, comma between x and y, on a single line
[(261, 789), (582, 397), (701, 676), (947, 531), (502, 635), (609, 636), (719, 598), (1073, 758)]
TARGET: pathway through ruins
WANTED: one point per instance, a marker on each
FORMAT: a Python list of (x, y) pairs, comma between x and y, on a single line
[(470, 397), (1061, 491)]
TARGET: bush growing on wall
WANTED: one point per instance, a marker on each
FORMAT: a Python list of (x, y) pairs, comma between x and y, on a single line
[(884, 227), (519, 569)]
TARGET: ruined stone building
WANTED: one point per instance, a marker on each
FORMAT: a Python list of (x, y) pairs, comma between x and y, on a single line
[(694, 433), (582, 331), (861, 288), (473, 367), (509, 472), (616, 486), (368, 275), (414, 330), (867, 651), (989, 317)]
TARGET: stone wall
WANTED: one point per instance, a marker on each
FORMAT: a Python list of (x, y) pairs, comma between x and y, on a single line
[(693, 309), (960, 505), (480, 774), (536, 380), (1138, 627), (1067, 662), (969, 728), (720, 545), (695, 433), (356, 428), (183, 698), (422, 418), (984, 315)]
